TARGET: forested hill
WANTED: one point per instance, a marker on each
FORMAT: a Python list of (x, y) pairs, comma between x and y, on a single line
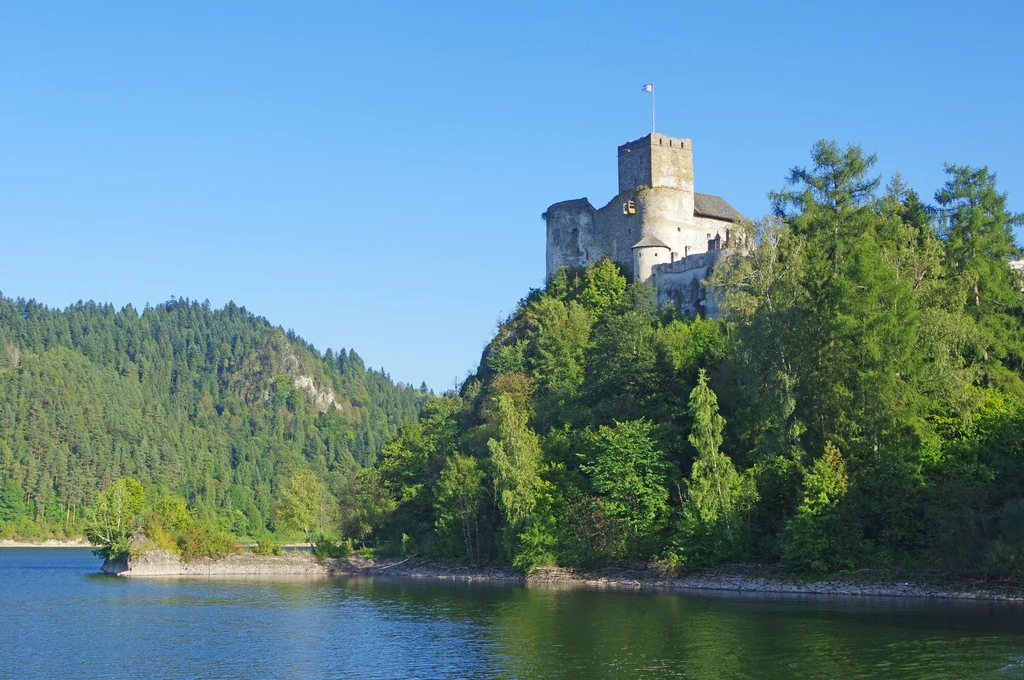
[(860, 403), (217, 405)]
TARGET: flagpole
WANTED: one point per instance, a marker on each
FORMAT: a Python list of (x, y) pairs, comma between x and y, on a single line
[(652, 108)]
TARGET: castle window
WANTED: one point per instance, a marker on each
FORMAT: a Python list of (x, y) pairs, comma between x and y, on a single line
[(575, 233), (686, 251), (558, 232)]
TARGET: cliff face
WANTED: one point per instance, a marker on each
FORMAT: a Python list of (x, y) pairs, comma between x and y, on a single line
[(166, 563), (276, 356)]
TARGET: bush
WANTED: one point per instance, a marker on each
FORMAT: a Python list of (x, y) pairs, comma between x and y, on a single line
[(327, 547), (162, 538), (1005, 559), (267, 546), (199, 540), (409, 546)]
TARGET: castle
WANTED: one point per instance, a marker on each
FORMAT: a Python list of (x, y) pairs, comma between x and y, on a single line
[(657, 229)]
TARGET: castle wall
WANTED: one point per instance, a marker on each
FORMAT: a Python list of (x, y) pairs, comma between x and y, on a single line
[(573, 236), (620, 231), (672, 164), (709, 225), (634, 167), (663, 213), (680, 282), (668, 216), (578, 234)]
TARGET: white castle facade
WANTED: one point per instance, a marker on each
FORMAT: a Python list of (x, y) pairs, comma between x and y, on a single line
[(657, 229)]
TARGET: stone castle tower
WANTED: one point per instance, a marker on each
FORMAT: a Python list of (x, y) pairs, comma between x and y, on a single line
[(657, 229)]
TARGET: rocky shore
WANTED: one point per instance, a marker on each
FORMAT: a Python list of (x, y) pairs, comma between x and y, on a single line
[(49, 543), (165, 563), (738, 578)]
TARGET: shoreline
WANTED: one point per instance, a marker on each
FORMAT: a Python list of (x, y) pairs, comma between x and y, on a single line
[(48, 543), (743, 579), (732, 579)]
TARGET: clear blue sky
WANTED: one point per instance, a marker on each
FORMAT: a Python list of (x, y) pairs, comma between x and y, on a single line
[(373, 174)]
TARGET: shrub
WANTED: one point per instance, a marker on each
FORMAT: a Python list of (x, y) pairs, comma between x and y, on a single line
[(267, 546), (327, 547), (199, 540), (1005, 558)]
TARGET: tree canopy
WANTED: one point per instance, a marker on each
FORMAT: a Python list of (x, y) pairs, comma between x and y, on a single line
[(214, 405), (854, 406)]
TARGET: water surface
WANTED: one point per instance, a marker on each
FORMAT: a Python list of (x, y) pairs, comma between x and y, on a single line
[(59, 618)]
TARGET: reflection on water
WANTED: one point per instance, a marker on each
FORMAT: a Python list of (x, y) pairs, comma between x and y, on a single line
[(57, 618)]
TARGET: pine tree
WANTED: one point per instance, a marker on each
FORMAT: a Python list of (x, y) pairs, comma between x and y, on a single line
[(716, 494)]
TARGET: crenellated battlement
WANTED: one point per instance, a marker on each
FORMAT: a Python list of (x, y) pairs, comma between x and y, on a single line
[(655, 139)]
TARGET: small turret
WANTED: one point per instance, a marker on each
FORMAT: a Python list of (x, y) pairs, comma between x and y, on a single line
[(648, 252)]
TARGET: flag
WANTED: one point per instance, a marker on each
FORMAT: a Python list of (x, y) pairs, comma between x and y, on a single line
[(649, 87)]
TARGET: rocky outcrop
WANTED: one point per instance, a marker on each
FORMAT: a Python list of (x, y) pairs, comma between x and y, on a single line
[(166, 563), (291, 366), (253, 377), (322, 400)]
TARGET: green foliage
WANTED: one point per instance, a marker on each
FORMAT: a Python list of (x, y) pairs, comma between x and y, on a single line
[(12, 505), (1005, 557), (558, 350), (268, 546), (627, 471), (189, 400), (516, 458), (861, 320), (717, 496), (459, 507), (603, 288), (115, 515), (172, 514), (813, 537), (202, 540), (303, 503), (365, 504), (411, 464), (508, 358), (329, 547)]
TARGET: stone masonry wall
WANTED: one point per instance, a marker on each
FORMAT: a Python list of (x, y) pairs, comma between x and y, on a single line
[(681, 282), (656, 173)]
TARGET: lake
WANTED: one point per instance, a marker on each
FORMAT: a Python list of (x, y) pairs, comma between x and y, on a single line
[(59, 618)]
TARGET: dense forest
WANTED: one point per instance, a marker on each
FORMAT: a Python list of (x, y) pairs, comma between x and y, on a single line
[(215, 406), (859, 404)]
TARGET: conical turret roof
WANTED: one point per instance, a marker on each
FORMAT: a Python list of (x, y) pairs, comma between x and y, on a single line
[(650, 242)]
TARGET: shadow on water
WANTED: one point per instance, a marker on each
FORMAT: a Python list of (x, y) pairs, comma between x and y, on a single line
[(398, 628)]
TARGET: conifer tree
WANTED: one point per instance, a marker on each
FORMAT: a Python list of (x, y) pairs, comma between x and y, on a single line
[(716, 494)]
